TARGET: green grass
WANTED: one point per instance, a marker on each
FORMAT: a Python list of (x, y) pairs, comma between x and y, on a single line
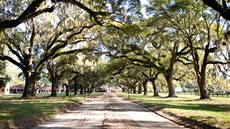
[(214, 112), (12, 107)]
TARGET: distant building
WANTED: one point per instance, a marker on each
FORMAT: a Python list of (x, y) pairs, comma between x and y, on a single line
[(5, 90), (44, 89), (17, 89), (47, 89)]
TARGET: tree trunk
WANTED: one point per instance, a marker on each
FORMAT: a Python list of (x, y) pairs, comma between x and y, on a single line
[(67, 90), (201, 75), (144, 83), (155, 91), (134, 89), (26, 88), (30, 76), (54, 87), (81, 90), (75, 88), (85, 90), (171, 90), (169, 75), (32, 90), (29, 89), (202, 80), (139, 89), (203, 89)]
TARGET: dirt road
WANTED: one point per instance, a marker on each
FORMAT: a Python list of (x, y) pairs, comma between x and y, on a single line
[(109, 112)]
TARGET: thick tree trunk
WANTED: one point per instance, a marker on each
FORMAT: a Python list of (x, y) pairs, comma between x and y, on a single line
[(144, 83), (32, 90), (202, 80), (67, 90), (171, 90), (54, 87), (134, 89), (139, 89), (26, 88), (29, 89), (31, 77), (75, 88), (53, 90), (155, 91), (201, 75), (81, 90), (169, 75), (203, 90)]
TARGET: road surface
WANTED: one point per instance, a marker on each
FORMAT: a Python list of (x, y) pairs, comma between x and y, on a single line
[(109, 112)]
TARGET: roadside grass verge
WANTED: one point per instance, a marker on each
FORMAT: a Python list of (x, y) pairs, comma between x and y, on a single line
[(214, 112), (13, 108)]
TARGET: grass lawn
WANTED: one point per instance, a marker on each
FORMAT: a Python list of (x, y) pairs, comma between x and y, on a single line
[(13, 108), (214, 112)]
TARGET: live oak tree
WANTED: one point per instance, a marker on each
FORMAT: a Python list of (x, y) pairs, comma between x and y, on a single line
[(127, 76), (186, 24), (152, 75), (35, 46), (196, 29), (136, 73), (58, 69), (126, 82), (64, 64)]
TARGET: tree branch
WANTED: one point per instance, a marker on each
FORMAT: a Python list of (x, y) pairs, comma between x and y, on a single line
[(2, 57), (222, 9), (28, 14), (88, 10), (58, 47), (184, 63), (218, 62), (75, 51), (32, 12)]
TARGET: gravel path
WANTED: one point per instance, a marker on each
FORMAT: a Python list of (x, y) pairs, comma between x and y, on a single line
[(109, 112)]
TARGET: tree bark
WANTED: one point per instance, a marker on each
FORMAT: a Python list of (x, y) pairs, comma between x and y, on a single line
[(54, 87), (139, 89), (155, 91), (202, 88), (171, 90), (67, 90), (29, 89), (75, 88), (144, 83), (81, 90), (202, 78), (201, 74), (26, 88), (134, 89)]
